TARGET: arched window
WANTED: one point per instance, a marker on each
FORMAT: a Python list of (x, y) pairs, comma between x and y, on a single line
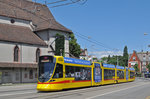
[(37, 54), (16, 54)]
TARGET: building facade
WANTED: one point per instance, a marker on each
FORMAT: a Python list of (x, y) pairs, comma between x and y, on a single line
[(140, 58), (27, 30), (84, 54)]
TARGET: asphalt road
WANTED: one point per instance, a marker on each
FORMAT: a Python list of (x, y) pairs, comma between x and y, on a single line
[(139, 89)]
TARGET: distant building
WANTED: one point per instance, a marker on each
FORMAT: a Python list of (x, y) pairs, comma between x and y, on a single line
[(84, 54), (140, 58), (92, 58), (26, 31)]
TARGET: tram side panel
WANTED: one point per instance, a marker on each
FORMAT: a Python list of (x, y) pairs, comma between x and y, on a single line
[(108, 74), (97, 74), (56, 73), (131, 74), (127, 74), (78, 76), (120, 74)]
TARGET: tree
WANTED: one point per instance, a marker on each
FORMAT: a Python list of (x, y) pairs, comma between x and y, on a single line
[(113, 60), (122, 60), (148, 66), (59, 44), (108, 59), (125, 56), (136, 68), (74, 47), (104, 59)]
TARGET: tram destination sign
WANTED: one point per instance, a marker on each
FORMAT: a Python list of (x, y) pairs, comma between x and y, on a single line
[(76, 61), (108, 65), (120, 67), (131, 69)]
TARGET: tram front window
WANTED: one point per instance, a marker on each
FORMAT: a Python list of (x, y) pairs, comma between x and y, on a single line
[(46, 68)]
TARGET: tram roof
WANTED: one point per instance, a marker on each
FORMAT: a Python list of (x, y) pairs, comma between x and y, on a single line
[(131, 69), (120, 67), (108, 65), (76, 61)]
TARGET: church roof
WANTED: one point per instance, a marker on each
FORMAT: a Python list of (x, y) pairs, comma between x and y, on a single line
[(39, 14), (19, 34)]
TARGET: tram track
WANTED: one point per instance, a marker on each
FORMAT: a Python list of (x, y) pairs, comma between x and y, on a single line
[(80, 91)]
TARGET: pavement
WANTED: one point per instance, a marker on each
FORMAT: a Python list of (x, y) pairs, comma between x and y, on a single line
[(139, 89)]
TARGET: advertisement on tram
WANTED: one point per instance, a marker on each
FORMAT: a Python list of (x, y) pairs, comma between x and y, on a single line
[(97, 73)]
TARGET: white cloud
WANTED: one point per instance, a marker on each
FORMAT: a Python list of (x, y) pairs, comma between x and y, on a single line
[(100, 54)]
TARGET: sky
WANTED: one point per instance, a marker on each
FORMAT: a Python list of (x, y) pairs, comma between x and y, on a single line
[(112, 24)]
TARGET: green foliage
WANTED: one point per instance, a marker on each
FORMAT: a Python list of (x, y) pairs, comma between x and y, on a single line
[(148, 66), (125, 56), (74, 47), (59, 44), (108, 58), (122, 60), (104, 59), (112, 60), (136, 68)]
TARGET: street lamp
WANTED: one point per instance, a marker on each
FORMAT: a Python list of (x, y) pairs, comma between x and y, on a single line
[(142, 52)]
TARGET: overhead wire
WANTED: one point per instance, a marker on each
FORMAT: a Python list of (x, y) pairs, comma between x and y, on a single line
[(46, 19), (56, 2), (59, 3), (93, 41), (102, 44), (39, 16), (115, 50)]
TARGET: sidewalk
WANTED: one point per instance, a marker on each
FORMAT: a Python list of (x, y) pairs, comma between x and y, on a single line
[(143, 78), (17, 87), (13, 84)]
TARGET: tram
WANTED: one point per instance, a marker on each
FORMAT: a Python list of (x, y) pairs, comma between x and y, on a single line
[(58, 73)]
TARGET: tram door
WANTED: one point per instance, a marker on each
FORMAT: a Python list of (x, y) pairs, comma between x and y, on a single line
[(126, 73), (97, 73)]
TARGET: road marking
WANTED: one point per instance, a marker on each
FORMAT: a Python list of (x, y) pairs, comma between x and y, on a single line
[(17, 93), (117, 91)]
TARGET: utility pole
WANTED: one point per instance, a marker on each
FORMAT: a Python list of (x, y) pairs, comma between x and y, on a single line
[(117, 60)]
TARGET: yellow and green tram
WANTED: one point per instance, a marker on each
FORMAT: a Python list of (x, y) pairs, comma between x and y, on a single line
[(58, 73)]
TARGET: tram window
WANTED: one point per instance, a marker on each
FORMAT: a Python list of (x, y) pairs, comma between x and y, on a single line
[(77, 73), (108, 74), (88, 73), (131, 74), (80, 73), (69, 71), (120, 74), (58, 71)]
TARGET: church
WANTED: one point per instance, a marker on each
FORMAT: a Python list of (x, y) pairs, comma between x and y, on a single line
[(27, 30)]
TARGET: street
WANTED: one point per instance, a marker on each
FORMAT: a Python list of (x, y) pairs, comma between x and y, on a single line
[(139, 89)]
